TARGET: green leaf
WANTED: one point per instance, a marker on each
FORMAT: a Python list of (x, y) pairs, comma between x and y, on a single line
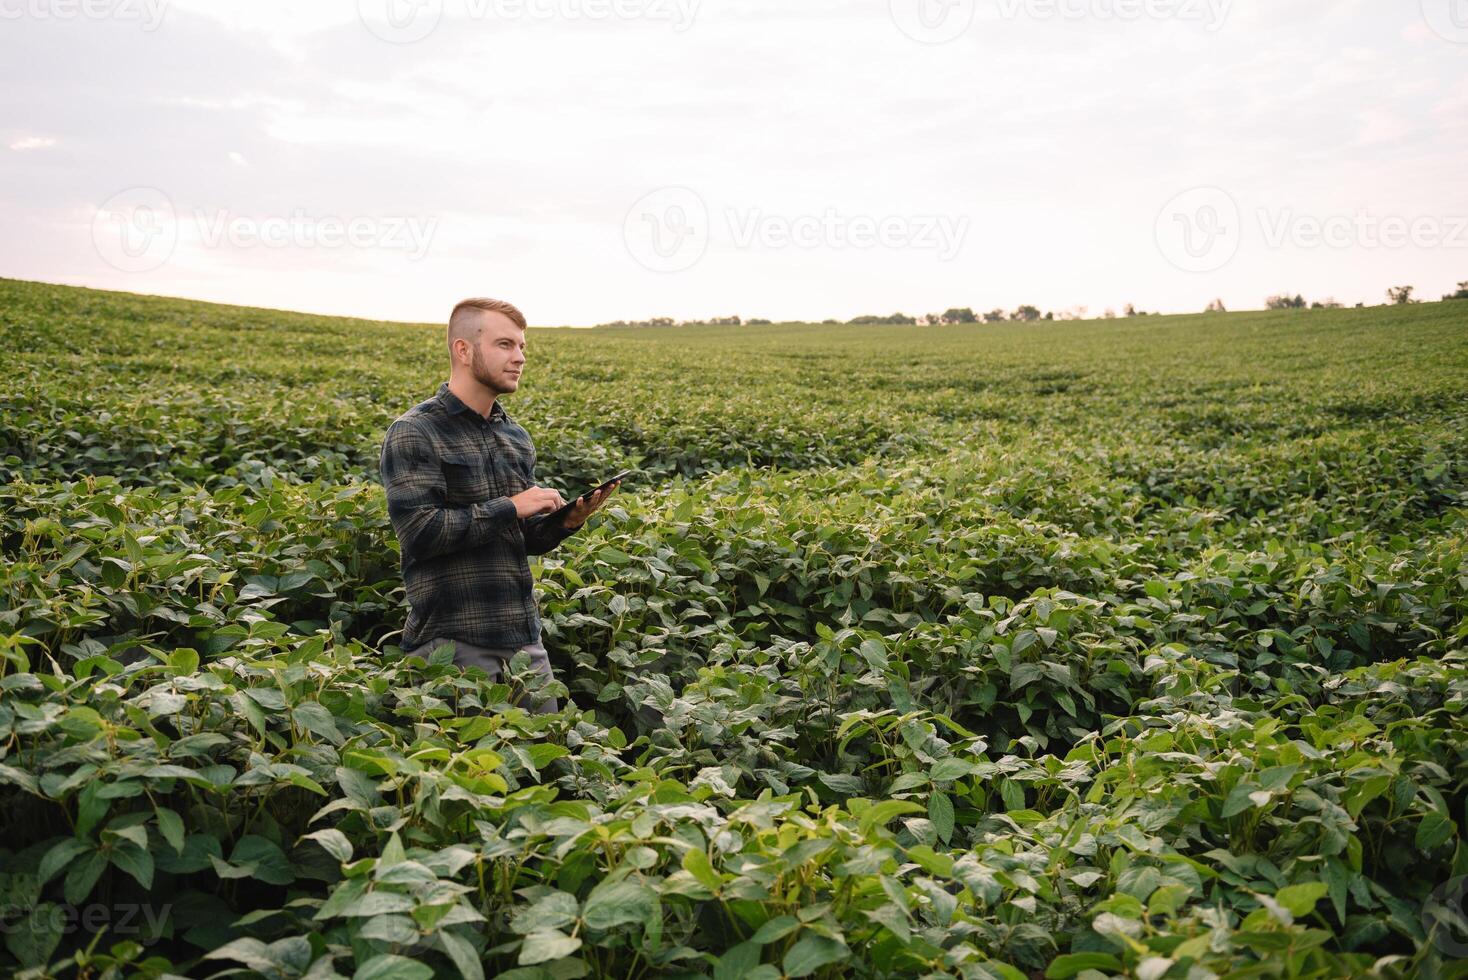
[(949, 769), (1434, 830), (1300, 899), (696, 862), (618, 903), (60, 855), (543, 754), (91, 808), (82, 877), (1012, 793), (251, 952), (940, 812), (774, 929), (377, 903), (547, 945), (1068, 965), (874, 653), (256, 857), (135, 861), (390, 967), (33, 938), (462, 953), (170, 825), (843, 783), (198, 853), (894, 919), (393, 929), (737, 961), (880, 814), (1239, 799), (334, 842), (315, 719), (1024, 673), (554, 911), (811, 952), (183, 661)]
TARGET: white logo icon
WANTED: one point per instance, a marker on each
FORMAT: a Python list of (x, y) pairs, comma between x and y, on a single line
[(136, 230), (1200, 230), (667, 230), (400, 21), (932, 21), (1448, 18)]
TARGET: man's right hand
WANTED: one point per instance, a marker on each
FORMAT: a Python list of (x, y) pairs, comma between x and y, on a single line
[(537, 500)]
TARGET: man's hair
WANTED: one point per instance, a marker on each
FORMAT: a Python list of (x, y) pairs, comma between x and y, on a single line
[(464, 321)]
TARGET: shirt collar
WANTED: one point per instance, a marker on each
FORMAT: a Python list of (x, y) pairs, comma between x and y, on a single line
[(454, 405)]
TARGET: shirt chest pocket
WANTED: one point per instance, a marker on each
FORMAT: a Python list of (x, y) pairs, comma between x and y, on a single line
[(467, 479)]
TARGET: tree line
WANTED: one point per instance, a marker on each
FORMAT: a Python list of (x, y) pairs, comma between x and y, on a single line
[(1027, 313)]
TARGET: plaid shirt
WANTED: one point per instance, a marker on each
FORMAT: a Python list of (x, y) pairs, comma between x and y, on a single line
[(449, 474)]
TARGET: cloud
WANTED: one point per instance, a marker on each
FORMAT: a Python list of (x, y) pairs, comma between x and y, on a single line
[(527, 139)]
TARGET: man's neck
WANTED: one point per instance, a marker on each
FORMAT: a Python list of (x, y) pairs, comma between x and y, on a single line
[(479, 398)]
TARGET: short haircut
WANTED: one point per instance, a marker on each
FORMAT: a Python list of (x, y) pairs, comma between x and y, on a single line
[(464, 321)]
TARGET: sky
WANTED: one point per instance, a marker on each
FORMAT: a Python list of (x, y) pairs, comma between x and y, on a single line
[(596, 160)]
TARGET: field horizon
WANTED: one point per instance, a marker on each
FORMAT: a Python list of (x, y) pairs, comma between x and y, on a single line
[(696, 325)]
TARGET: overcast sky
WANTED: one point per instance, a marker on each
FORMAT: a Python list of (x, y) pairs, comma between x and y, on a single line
[(594, 160)]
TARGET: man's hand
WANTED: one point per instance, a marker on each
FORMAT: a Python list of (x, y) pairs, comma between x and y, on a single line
[(586, 506), (537, 500)]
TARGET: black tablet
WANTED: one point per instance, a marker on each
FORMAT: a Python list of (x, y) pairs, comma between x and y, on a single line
[(561, 514)]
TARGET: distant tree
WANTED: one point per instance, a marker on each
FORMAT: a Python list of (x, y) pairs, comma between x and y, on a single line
[(1025, 314), (959, 314), (1110, 314), (724, 321), (657, 321), (1285, 302), (830, 321), (1216, 307), (1130, 310), (756, 322), (1329, 303), (995, 316), (1401, 295), (899, 319), (1462, 292)]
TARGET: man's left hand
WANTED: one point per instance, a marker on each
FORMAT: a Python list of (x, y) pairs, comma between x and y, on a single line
[(586, 506)]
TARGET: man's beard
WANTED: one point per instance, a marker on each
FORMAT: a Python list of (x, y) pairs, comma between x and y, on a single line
[(482, 375)]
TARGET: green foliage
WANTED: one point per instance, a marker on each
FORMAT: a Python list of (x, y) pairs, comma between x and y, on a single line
[(1132, 649)]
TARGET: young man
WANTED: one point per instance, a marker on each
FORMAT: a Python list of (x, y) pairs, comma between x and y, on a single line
[(461, 493)]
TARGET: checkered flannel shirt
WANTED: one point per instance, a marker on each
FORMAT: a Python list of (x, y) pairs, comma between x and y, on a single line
[(449, 474)]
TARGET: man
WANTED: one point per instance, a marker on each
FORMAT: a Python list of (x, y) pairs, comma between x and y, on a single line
[(461, 493)]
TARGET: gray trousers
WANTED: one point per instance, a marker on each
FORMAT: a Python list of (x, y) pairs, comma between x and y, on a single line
[(492, 661)]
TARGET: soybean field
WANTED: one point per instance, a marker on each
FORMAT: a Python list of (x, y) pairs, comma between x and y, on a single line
[(1125, 648)]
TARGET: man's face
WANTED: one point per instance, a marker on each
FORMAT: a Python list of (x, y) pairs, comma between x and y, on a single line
[(499, 357)]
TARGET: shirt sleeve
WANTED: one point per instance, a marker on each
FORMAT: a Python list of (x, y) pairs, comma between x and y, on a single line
[(416, 493), (541, 534)]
